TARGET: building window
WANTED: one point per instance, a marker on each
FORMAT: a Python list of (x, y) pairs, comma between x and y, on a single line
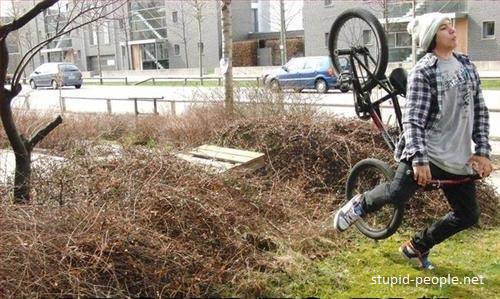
[(328, 2), (175, 18), (327, 39), (93, 36), (147, 20), (403, 40), (177, 50), (255, 13), (201, 47), (489, 29), (105, 33)]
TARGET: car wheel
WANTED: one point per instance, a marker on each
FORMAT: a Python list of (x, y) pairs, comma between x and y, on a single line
[(344, 88), (275, 85), (32, 84), (54, 84), (78, 86), (321, 86)]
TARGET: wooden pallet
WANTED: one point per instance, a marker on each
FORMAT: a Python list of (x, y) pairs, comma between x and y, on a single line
[(222, 158)]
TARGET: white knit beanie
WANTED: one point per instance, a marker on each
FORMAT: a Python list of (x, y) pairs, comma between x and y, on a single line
[(424, 27)]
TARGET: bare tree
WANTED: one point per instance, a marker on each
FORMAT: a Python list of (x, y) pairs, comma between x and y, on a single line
[(180, 28), (292, 12), (227, 54), (382, 6), (199, 7), (82, 13), (283, 16)]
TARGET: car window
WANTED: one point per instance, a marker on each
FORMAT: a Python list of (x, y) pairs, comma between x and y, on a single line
[(54, 68), (68, 68), (344, 64), (313, 64), (295, 64), (43, 68)]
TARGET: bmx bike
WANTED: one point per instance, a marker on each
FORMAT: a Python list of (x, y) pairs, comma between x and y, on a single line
[(359, 36)]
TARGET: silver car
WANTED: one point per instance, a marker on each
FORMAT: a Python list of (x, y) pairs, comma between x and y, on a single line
[(56, 74)]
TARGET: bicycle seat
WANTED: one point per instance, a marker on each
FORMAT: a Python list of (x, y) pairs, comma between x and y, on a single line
[(398, 79)]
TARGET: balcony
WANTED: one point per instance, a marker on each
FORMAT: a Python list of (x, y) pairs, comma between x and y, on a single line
[(147, 20)]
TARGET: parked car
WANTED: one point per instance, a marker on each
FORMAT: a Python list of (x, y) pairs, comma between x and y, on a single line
[(55, 74), (314, 72)]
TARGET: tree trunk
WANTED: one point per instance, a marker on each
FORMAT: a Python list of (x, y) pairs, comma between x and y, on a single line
[(21, 152), (227, 55), (99, 68), (23, 167), (284, 58), (184, 37), (199, 16)]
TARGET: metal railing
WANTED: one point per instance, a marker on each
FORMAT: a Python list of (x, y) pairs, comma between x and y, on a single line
[(173, 103), (109, 110), (183, 79)]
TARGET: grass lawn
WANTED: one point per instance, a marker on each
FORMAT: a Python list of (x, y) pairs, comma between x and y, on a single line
[(490, 84), (473, 254)]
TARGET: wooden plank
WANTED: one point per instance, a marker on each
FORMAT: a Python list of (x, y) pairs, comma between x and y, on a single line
[(219, 156), (218, 166), (252, 165), (223, 159), (231, 151)]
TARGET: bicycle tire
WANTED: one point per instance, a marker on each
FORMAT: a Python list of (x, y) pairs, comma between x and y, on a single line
[(376, 27), (397, 212)]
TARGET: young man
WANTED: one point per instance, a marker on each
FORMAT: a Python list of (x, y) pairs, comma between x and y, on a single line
[(445, 111)]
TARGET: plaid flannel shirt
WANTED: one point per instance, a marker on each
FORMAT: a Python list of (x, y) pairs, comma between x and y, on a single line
[(423, 105)]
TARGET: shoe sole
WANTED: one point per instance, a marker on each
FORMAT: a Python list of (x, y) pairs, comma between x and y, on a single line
[(414, 261), (335, 222)]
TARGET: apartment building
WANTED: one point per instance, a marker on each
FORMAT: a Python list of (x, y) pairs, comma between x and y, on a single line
[(475, 22)]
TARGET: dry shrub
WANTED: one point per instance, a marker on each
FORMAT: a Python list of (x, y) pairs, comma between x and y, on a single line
[(145, 223), (245, 53)]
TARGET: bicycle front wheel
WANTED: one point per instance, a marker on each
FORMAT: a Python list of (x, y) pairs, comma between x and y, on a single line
[(358, 28), (365, 176)]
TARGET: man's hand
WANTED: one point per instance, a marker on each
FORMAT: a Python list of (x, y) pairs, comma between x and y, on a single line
[(422, 174), (481, 165)]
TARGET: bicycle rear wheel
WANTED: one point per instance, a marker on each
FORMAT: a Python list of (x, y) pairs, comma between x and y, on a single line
[(358, 28), (365, 176)]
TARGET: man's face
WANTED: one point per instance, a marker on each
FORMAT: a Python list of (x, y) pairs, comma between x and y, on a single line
[(446, 37)]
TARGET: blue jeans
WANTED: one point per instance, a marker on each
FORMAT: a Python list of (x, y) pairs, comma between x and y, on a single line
[(462, 199)]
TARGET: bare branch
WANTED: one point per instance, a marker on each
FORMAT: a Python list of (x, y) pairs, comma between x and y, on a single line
[(98, 14), (16, 24), (40, 135)]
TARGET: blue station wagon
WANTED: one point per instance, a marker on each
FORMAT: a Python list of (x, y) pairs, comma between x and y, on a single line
[(315, 72)]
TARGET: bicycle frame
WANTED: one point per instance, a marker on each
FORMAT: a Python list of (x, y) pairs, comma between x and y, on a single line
[(365, 108)]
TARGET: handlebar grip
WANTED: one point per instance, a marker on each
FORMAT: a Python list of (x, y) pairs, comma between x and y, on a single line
[(343, 51)]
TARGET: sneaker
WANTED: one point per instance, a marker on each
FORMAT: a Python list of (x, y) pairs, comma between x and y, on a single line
[(348, 214), (417, 258)]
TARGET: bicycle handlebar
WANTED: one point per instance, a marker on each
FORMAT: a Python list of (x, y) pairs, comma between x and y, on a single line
[(441, 183), (435, 184)]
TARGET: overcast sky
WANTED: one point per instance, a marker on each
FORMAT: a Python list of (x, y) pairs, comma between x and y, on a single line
[(4, 8)]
